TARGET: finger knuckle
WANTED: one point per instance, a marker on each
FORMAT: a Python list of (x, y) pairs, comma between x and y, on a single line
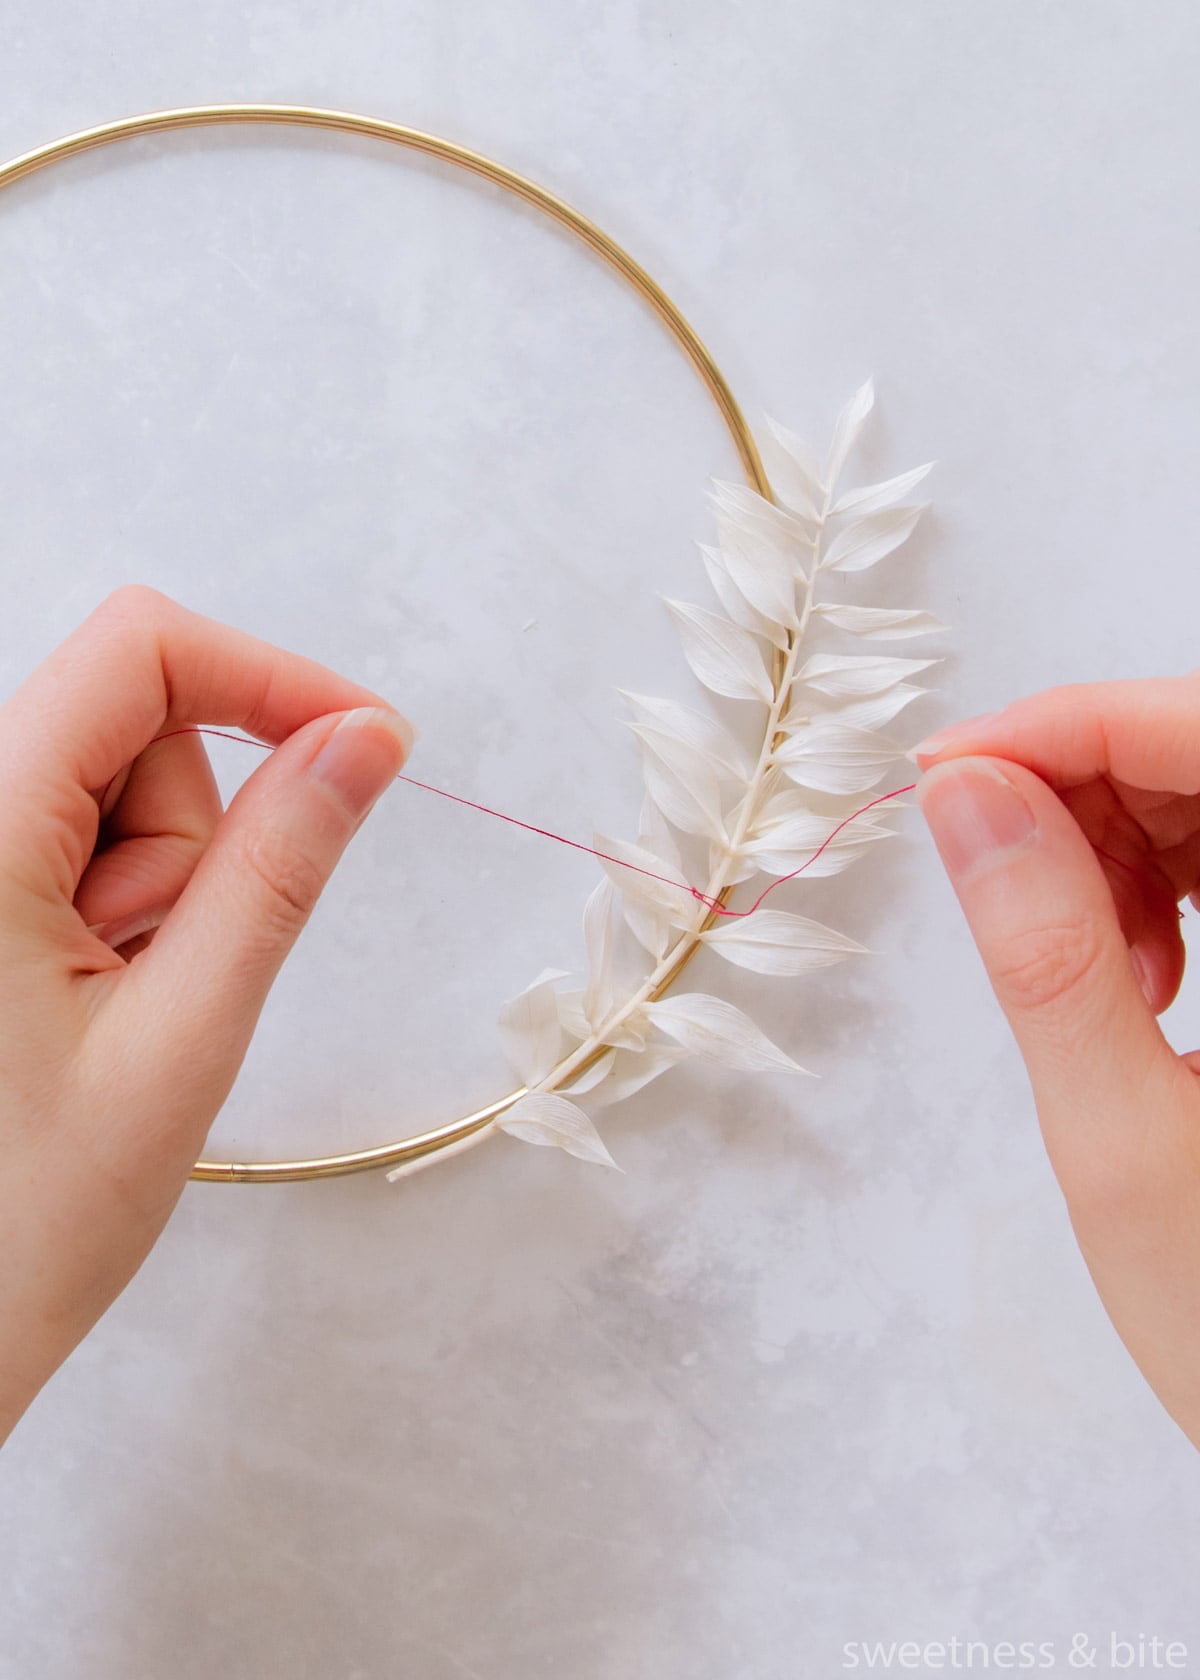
[(292, 880), (1044, 967)]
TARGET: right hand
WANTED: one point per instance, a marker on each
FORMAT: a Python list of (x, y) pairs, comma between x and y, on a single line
[(1093, 805)]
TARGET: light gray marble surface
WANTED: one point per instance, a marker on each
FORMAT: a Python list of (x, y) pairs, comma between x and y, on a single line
[(824, 1365)]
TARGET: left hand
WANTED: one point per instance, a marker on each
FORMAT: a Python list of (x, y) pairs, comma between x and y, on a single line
[(114, 1063)]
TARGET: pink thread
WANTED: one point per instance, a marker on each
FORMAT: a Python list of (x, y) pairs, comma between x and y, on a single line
[(713, 904)]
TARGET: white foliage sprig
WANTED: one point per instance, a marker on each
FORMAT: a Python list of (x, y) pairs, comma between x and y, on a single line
[(819, 717)]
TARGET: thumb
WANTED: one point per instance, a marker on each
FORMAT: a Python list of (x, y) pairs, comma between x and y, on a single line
[(194, 994), (1042, 914)]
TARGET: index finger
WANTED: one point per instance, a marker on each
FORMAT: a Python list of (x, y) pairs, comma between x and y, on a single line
[(140, 663), (1144, 731)]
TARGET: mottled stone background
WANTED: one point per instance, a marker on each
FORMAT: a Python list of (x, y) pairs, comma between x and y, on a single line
[(824, 1365)]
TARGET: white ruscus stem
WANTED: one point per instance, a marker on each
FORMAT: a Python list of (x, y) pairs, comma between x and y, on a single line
[(600, 1038)]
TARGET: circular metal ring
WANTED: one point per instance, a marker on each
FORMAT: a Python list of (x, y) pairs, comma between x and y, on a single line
[(455, 1132)]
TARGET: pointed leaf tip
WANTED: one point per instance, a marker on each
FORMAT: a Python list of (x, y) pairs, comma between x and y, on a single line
[(540, 1117), (719, 1032), (777, 942), (845, 432), (726, 658), (864, 541), (530, 1028)]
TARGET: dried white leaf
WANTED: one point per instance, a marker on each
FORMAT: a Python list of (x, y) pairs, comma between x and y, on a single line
[(832, 861), (837, 775), (879, 623), (716, 1031), (788, 803), (631, 1033), (735, 603), (652, 924), (570, 1014), (726, 658), (591, 1077), (732, 863), (804, 833), (873, 497), (765, 578), (630, 1070), (776, 942), (599, 934), (695, 729), (805, 841), (865, 541), (651, 929), (796, 478), (541, 1117), (678, 903), (804, 827), (530, 1029), (853, 674), (656, 836), (741, 509), (835, 758), (765, 570), (869, 712), (681, 781), (845, 432)]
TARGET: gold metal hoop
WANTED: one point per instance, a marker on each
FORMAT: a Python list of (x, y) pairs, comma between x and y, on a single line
[(203, 116)]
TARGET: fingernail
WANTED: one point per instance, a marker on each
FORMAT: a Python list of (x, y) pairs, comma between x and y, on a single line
[(974, 815), (934, 743), (359, 759)]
